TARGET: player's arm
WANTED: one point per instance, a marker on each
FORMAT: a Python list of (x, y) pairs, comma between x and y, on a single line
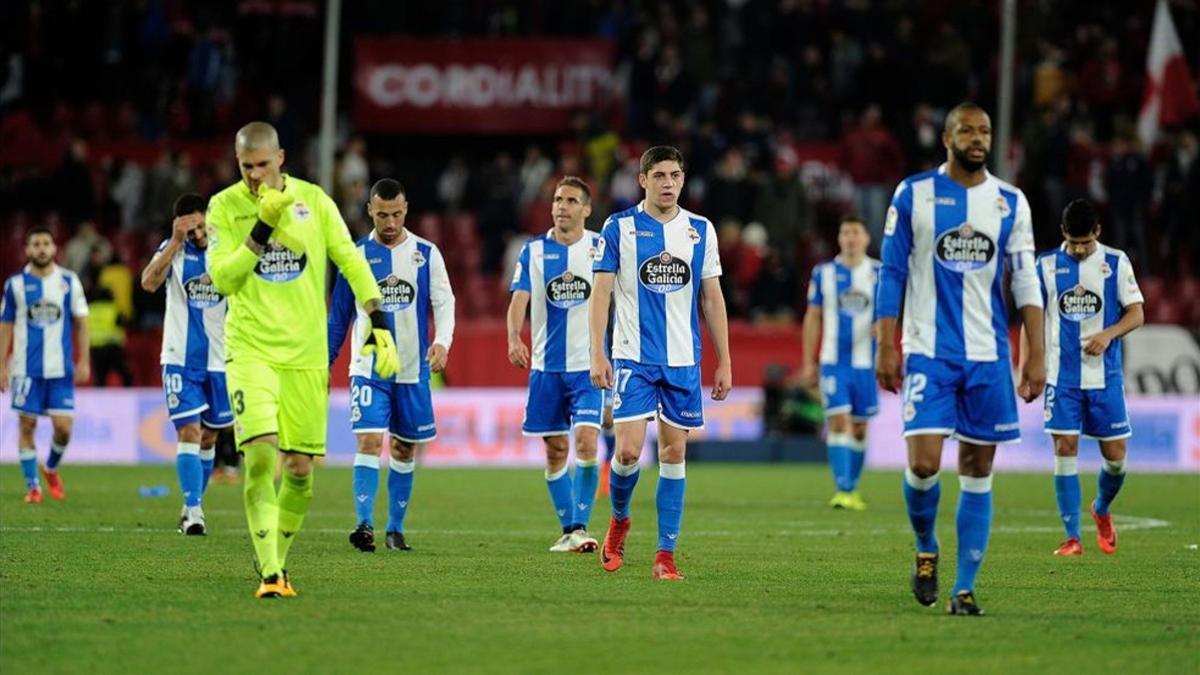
[(1134, 315), (342, 313), (604, 273), (441, 297), (79, 310), (159, 267), (717, 319), (893, 277), (518, 353), (1027, 294), (230, 262), (810, 331)]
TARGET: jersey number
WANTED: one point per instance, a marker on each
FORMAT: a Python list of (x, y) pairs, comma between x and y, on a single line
[(914, 384), (173, 382), (623, 375), (361, 396), (239, 402)]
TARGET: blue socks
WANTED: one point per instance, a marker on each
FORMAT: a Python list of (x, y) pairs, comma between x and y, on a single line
[(839, 460), (1067, 493), (621, 481), (559, 484), (669, 499), (366, 485), (208, 457), (28, 457), (587, 476), (858, 457), (400, 485), (974, 524), (1112, 476), (921, 495), (56, 455), (191, 473)]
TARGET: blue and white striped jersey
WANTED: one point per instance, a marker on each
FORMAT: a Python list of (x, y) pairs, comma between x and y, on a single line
[(846, 296), (658, 269), (413, 280), (194, 325), (42, 311), (944, 250), (1082, 298), (558, 279)]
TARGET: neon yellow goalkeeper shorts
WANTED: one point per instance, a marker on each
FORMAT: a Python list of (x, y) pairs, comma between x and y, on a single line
[(290, 402)]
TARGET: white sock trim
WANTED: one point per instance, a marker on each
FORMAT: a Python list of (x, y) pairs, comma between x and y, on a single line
[(672, 471), (59, 448), (1066, 466), (401, 467), (27, 454), (976, 485), (208, 454), (369, 461), (839, 439), (587, 462), (623, 470), (856, 445), (187, 449), (922, 484), (551, 477), (1114, 468)]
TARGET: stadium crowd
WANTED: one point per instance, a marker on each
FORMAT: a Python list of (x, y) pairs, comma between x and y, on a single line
[(789, 113)]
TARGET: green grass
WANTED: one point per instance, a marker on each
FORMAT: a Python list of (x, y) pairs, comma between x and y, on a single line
[(776, 583)]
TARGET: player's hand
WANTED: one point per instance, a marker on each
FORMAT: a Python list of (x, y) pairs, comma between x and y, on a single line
[(182, 225), (271, 204), (808, 374), (4, 382), (518, 353), (83, 371), (601, 371), (436, 357), (722, 381), (1033, 378), (380, 343), (1096, 344), (887, 368)]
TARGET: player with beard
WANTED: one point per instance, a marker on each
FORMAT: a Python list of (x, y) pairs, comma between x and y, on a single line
[(949, 236), (43, 305)]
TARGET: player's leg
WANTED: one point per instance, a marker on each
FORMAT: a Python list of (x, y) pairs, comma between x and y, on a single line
[(586, 406), (412, 426), (864, 404), (59, 400), (835, 393), (1107, 421), (190, 473), (208, 454), (610, 442), (548, 416), (558, 484), (682, 411), (370, 412), (303, 417), (218, 416), (1067, 491), (27, 453)]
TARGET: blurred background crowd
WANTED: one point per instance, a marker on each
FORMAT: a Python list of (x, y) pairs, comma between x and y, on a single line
[(790, 113)]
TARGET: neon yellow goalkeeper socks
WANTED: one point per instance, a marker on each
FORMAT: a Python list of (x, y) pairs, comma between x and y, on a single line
[(295, 494), (262, 510)]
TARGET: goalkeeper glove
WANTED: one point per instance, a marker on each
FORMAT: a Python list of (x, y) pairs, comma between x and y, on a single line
[(272, 219), (380, 343)]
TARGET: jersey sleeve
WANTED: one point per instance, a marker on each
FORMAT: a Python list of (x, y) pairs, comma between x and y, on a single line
[(897, 247), (712, 258), (79, 306), (157, 252), (342, 313), (8, 306), (815, 297), (1128, 292), (609, 256), (1021, 264), (1043, 268), (342, 251), (229, 262), (520, 278), (441, 298)]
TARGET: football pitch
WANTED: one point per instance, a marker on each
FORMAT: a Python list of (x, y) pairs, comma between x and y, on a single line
[(777, 582)]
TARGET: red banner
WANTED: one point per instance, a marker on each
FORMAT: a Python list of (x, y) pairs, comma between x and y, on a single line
[(480, 86)]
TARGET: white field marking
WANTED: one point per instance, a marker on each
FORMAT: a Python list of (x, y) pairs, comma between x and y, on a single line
[(1124, 522)]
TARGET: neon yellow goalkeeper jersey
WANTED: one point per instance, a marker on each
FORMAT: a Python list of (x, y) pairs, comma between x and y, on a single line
[(277, 312)]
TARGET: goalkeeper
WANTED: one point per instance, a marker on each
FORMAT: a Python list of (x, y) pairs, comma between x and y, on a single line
[(270, 236)]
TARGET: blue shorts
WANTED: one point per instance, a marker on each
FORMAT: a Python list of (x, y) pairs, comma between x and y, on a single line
[(196, 395), (401, 409), (850, 390), (972, 400), (42, 396), (1096, 413), (671, 391), (560, 401)]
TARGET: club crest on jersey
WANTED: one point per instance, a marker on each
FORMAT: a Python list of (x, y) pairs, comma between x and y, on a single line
[(1105, 270), (300, 211), (664, 273), (889, 223), (567, 290), (853, 301), (598, 250), (397, 293), (964, 249), (693, 235), (42, 313), (200, 292), (279, 264), (418, 258), (1079, 304), (1002, 207)]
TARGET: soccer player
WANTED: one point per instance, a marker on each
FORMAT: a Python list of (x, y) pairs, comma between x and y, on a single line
[(1092, 300), (658, 259), (193, 353), (411, 274), (269, 238), (43, 305), (553, 278), (950, 235), (841, 298)]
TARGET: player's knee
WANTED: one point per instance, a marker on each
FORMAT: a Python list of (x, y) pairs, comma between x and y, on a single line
[(859, 431), (557, 448), (62, 431), (1113, 451), (190, 433), (297, 465), (839, 424), (370, 444), (402, 451), (1066, 446), (208, 437), (586, 443), (924, 467)]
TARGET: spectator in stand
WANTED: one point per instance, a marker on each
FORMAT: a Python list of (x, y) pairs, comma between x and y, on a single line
[(1129, 184), (535, 171), (923, 143), (497, 212), (72, 192), (452, 184), (782, 206), (107, 338), (1180, 204), (875, 163), (77, 254), (107, 271), (127, 183)]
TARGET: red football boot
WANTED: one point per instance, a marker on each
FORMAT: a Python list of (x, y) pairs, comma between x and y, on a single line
[(1070, 547), (1106, 532), (612, 552), (664, 567), (53, 481)]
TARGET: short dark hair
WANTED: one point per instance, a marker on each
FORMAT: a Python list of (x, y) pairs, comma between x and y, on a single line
[(661, 153), (576, 182), (189, 203), (853, 218), (956, 111), (40, 229), (1080, 219), (387, 188)]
